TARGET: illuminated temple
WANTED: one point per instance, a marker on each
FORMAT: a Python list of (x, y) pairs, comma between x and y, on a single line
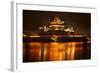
[(56, 27), (56, 31)]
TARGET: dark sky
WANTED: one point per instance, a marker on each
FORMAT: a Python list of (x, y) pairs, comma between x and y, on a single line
[(81, 22)]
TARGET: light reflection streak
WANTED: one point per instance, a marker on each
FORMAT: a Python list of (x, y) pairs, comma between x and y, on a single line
[(54, 51)]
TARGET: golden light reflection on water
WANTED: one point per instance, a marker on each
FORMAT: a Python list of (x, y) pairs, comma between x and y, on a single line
[(70, 51), (57, 51), (54, 51)]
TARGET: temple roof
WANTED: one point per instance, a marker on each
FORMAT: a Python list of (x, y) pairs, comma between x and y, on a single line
[(56, 21)]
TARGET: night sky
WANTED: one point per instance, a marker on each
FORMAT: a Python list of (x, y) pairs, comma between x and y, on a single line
[(32, 20)]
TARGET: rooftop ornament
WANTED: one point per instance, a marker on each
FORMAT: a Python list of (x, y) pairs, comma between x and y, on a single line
[(57, 21)]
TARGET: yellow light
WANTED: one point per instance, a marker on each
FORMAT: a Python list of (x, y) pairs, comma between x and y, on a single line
[(34, 36), (54, 38), (24, 35)]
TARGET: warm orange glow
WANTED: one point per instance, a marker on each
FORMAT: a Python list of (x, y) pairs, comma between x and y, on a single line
[(55, 51), (73, 51), (35, 51)]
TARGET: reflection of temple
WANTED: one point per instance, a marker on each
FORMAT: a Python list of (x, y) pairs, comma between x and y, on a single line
[(56, 27)]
